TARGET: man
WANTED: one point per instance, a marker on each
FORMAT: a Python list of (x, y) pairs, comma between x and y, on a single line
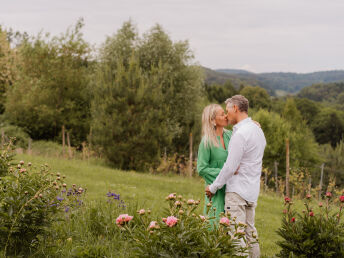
[(245, 154)]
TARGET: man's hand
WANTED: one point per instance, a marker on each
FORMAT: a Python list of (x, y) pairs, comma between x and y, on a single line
[(208, 193)]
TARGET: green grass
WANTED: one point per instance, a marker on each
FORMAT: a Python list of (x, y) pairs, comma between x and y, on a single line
[(149, 191)]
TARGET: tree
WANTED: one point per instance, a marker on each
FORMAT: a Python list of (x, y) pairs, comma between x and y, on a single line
[(257, 96), (51, 90), (220, 93), (291, 113), (308, 109)]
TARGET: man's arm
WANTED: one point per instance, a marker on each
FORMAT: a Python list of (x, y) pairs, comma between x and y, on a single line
[(235, 153)]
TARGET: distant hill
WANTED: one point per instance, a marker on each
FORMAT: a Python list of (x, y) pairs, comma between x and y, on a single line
[(329, 92), (273, 82)]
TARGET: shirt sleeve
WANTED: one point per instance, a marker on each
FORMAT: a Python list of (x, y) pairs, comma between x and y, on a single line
[(235, 153), (203, 165)]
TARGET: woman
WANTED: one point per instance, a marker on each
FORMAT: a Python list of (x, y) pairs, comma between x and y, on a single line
[(212, 152)]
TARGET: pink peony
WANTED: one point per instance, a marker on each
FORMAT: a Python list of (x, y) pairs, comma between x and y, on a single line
[(171, 221), (154, 225), (122, 219), (225, 221), (341, 198)]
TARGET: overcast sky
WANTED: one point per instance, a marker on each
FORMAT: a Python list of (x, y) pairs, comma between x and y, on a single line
[(256, 35)]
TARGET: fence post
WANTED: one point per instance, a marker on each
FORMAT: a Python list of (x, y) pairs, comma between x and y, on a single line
[(190, 155), (321, 179), (83, 150), (69, 147), (63, 141), (287, 168), (276, 175)]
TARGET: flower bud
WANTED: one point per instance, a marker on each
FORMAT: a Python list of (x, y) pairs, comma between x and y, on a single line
[(21, 162), (181, 212), (64, 185), (29, 164)]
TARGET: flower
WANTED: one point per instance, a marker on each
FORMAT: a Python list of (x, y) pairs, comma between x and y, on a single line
[(178, 203), (171, 221), (308, 196), (190, 202), (59, 198), (287, 200), (240, 232), (284, 211), (328, 194), (341, 198), (142, 212), (154, 225), (225, 221), (320, 204), (181, 212), (122, 219), (171, 196), (293, 219), (202, 217), (242, 224), (311, 214), (21, 162)]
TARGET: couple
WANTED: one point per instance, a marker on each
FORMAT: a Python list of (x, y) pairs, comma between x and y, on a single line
[(231, 162)]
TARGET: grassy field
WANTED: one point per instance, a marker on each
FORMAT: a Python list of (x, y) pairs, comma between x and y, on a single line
[(149, 191)]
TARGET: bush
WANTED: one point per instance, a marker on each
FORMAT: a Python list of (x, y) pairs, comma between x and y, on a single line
[(30, 200), (312, 233), (21, 137)]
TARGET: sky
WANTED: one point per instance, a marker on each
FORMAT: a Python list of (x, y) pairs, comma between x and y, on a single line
[(256, 35)]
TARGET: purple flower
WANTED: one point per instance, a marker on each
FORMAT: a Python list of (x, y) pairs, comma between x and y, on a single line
[(66, 209), (59, 198)]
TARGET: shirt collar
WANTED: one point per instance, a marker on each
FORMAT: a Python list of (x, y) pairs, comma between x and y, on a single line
[(241, 123)]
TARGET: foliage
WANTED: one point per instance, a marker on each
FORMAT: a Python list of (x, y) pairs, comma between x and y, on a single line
[(219, 93), (51, 89), (30, 200), (324, 92), (313, 233), (21, 137), (142, 88), (257, 96)]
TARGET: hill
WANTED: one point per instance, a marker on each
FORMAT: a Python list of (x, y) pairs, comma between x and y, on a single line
[(324, 92), (272, 82)]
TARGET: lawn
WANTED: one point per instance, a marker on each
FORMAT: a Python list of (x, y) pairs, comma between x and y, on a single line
[(149, 191)]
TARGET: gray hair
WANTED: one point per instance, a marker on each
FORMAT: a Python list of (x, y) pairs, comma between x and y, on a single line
[(240, 101)]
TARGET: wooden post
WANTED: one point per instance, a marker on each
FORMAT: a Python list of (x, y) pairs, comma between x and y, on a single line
[(190, 155), (83, 150), (276, 175), (287, 169), (69, 147), (321, 179), (63, 141), (29, 147), (2, 137)]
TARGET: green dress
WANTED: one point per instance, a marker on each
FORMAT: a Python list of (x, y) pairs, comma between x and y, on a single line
[(209, 163)]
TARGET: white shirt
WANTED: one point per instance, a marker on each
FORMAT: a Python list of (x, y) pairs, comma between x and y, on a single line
[(245, 150)]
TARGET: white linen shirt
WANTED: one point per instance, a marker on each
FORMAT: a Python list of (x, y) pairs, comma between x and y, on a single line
[(245, 151)]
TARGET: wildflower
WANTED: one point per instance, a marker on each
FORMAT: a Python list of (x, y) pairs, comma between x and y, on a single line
[(149, 211), (59, 198), (209, 204), (328, 194), (240, 232), (57, 187), (284, 211), (225, 221), (320, 204), (122, 219), (171, 221), (287, 200), (171, 196), (69, 239), (19, 166), (164, 220), (21, 162), (57, 174), (181, 212), (29, 164), (293, 219), (40, 195), (308, 196), (22, 170), (341, 198), (66, 209), (64, 185), (180, 197), (178, 203), (58, 178), (26, 192), (142, 212), (74, 185), (154, 225), (311, 214), (202, 217), (242, 224), (190, 202)]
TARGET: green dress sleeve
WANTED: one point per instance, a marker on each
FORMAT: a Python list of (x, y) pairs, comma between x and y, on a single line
[(203, 166)]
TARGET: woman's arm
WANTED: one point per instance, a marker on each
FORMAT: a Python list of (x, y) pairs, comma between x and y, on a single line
[(203, 161)]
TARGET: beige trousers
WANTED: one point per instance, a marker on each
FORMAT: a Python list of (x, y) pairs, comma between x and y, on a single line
[(244, 211)]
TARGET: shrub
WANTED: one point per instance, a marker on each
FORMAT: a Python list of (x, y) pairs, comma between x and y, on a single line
[(314, 232), (30, 200), (19, 136)]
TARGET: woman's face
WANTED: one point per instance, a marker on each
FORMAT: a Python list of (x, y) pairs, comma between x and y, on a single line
[(221, 118)]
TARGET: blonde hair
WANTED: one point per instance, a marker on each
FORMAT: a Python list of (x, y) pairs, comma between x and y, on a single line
[(209, 126)]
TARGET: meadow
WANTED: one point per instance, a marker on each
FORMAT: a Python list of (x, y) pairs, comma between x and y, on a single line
[(144, 190)]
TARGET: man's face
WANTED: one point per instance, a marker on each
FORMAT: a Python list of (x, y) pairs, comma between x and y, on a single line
[(232, 113)]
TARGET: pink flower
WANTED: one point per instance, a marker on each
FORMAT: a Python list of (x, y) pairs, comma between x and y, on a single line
[(190, 202), (328, 194), (287, 199), (171, 196), (122, 219), (202, 217), (308, 196), (142, 212), (154, 225), (293, 219), (284, 211), (311, 214), (225, 221), (178, 203), (341, 198), (171, 221), (320, 204)]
